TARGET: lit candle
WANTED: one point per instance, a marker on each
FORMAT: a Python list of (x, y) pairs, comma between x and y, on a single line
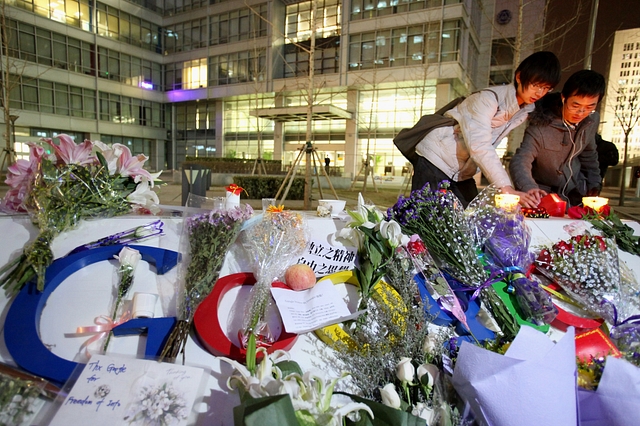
[(507, 201), (596, 203)]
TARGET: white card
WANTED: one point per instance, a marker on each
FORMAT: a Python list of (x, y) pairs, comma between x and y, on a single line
[(309, 310), (116, 389)]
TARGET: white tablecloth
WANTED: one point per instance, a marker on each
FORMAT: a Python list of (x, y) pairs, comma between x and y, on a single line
[(87, 294)]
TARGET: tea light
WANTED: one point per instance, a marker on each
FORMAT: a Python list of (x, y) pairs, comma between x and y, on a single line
[(507, 201), (596, 203)]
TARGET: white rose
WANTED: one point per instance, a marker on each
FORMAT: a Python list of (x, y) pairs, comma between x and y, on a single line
[(129, 256), (405, 370), (390, 397)]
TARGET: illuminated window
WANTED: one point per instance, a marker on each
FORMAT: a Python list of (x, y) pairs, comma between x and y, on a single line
[(194, 74)]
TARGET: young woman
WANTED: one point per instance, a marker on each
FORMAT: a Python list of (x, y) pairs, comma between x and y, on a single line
[(455, 153)]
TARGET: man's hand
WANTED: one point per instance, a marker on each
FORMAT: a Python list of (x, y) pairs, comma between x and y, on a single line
[(593, 192), (526, 200)]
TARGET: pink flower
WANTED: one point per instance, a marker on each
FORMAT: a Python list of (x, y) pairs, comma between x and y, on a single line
[(20, 177), (70, 152), (13, 200), (128, 165)]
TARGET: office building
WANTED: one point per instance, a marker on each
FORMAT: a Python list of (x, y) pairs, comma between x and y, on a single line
[(622, 99), (178, 78)]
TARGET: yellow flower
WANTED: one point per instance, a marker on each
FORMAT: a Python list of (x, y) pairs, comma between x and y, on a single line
[(276, 209), (586, 379)]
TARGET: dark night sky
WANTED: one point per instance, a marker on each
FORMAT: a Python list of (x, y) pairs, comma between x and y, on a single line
[(613, 15)]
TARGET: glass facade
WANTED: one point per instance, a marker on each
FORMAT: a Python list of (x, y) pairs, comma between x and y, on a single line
[(192, 57), (367, 9), (35, 94), (411, 45)]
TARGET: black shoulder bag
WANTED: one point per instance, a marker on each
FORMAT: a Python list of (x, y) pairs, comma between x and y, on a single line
[(407, 139)]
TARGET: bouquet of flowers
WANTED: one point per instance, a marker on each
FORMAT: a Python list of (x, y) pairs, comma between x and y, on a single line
[(435, 282), (438, 218), (610, 225), (158, 405), (311, 394), (58, 190), (586, 267), (376, 240), (205, 241), (273, 243), (505, 237)]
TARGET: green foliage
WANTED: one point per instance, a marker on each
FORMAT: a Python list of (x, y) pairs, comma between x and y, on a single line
[(267, 186), (234, 165)]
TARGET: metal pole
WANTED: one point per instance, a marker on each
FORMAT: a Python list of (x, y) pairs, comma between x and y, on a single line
[(592, 34)]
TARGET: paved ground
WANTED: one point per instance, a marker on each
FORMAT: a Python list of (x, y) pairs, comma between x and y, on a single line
[(170, 193)]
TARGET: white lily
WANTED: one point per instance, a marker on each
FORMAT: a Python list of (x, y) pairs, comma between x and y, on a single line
[(311, 394), (145, 197), (427, 374), (350, 236), (391, 231)]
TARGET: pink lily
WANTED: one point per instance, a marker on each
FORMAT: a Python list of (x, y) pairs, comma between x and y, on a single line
[(111, 153), (129, 165), (71, 153)]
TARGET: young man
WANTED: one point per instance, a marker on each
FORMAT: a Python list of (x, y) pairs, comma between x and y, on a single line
[(558, 152), (455, 153)]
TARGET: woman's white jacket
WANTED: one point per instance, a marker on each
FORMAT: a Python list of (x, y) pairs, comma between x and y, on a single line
[(484, 119)]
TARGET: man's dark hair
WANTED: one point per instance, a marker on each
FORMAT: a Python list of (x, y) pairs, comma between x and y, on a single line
[(541, 68), (584, 83)]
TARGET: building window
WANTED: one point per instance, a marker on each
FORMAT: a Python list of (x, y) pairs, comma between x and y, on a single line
[(185, 36), (405, 46), (237, 25), (367, 9), (127, 110), (298, 20), (237, 67), (194, 74), (195, 128), (326, 57), (43, 96), (71, 12)]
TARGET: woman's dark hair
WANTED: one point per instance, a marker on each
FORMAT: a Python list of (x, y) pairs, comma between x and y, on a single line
[(584, 83), (540, 67)]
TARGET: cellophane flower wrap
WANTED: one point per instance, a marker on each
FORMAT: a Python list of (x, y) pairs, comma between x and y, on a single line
[(204, 242), (273, 243), (440, 221), (587, 269), (505, 238), (435, 282), (74, 182)]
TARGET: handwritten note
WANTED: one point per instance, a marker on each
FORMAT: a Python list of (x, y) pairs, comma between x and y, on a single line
[(115, 389), (309, 310), (326, 259)]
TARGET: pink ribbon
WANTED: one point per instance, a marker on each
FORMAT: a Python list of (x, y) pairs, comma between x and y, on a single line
[(103, 327)]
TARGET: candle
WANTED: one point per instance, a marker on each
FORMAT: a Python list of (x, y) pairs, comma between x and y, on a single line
[(596, 203), (507, 201)]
